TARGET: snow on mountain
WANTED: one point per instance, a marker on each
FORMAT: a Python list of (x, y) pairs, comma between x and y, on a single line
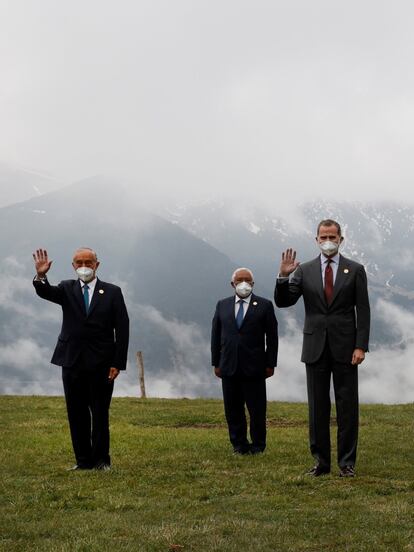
[(378, 234)]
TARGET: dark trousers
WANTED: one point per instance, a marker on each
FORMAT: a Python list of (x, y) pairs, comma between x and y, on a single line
[(88, 394), (345, 382), (239, 391)]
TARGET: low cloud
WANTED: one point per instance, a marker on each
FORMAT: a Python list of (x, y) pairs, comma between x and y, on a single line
[(388, 375), (22, 353), (28, 369), (289, 381), (16, 293), (25, 363), (189, 373)]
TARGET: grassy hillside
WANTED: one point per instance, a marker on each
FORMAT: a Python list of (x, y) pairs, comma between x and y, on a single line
[(175, 485)]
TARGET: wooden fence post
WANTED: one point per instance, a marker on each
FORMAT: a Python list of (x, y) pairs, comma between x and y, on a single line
[(140, 363)]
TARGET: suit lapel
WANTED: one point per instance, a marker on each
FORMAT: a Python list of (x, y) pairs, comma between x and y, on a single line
[(229, 310), (340, 277), (77, 292), (317, 278), (250, 309), (96, 296)]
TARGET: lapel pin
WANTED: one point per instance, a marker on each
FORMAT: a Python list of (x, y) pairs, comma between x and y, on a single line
[(101, 291), (346, 271), (254, 303)]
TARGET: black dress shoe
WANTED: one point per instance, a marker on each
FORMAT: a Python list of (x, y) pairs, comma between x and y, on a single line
[(78, 467), (318, 470), (256, 450), (241, 450), (347, 471)]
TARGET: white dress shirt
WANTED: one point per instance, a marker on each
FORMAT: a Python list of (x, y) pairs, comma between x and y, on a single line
[(91, 285), (246, 303)]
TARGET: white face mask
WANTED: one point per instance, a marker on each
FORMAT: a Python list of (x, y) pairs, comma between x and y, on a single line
[(329, 248), (243, 289), (85, 273)]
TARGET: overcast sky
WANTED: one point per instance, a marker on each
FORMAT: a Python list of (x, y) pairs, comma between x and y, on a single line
[(213, 95)]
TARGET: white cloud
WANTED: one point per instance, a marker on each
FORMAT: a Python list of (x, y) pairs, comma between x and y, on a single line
[(17, 292), (28, 369), (289, 381), (22, 353), (387, 376), (189, 373)]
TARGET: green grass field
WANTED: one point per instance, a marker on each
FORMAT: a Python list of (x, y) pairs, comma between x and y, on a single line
[(175, 484)]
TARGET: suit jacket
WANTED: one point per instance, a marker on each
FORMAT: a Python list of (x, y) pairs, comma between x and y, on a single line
[(102, 334), (345, 322), (250, 349)]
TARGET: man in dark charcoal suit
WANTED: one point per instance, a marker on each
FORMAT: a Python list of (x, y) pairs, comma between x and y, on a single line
[(244, 346), (92, 348), (335, 339)]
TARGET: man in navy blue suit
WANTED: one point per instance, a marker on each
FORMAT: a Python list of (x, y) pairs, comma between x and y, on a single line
[(244, 345), (92, 348)]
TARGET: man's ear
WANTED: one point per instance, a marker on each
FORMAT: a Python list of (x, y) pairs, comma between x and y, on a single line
[(341, 240), (232, 284), (97, 264)]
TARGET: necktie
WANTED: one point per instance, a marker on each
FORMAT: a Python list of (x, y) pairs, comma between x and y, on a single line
[(328, 282), (86, 297), (239, 316)]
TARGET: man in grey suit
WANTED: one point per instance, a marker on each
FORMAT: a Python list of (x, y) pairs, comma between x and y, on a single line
[(335, 339)]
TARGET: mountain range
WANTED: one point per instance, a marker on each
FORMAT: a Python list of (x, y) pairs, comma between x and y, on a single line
[(19, 184), (173, 263)]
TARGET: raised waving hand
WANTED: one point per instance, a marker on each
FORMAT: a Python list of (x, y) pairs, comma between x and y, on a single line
[(289, 263), (42, 263)]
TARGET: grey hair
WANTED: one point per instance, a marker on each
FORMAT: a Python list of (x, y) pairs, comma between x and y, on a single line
[(86, 249), (241, 268)]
